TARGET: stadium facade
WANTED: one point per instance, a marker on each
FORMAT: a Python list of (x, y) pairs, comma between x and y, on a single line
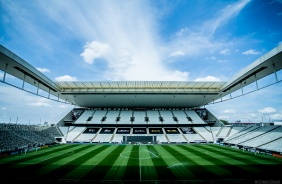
[(154, 112)]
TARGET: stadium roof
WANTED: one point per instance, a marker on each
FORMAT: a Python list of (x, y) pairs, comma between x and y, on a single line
[(138, 93), (140, 86)]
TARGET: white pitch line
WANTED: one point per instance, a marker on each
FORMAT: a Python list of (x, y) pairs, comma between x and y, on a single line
[(153, 154), (175, 165)]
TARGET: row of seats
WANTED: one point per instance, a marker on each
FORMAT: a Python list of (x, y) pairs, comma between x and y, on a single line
[(138, 117)]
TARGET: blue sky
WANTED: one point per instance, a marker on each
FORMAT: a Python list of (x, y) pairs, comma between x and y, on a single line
[(140, 40)]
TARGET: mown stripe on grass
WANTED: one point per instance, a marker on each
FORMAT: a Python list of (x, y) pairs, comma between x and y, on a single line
[(59, 154), (73, 159), (117, 170), (45, 158), (65, 166), (168, 166), (148, 171), (160, 164), (33, 170), (195, 164), (99, 171), (132, 170), (59, 168), (231, 167), (254, 169), (255, 159), (80, 171), (14, 159), (55, 167)]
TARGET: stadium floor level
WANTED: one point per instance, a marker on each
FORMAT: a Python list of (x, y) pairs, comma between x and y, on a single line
[(105, 163)]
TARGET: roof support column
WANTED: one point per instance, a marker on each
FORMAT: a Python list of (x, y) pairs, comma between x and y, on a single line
[(49, 93), (242, 88), (23, 81), (276, 77), (37, 88), (256, 81), (4, 76)]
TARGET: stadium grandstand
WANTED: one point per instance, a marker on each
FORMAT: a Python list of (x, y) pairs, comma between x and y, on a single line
[(140, 112)]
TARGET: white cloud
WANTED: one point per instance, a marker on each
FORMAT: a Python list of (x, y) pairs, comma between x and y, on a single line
[(267, 110), (223, 117), (227, 13), (215, 59), (63, 106), (94, 50), (40, 104), (276, 116), (177, 53), (225, 52), (208, 78), (195, 41), (3, 108), (230, 111), (65, 78), (250, 52), (127, 43), (252, 115), (126, 36), (175, 76), (43, 70)]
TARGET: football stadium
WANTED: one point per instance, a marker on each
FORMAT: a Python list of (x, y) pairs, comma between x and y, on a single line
[(140, 131)]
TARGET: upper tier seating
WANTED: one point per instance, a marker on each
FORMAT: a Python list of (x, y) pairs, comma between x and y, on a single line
[(125, 116), (139, 117), (181, 117), (167, 117), (84, 117), (111, 117), (98, 116), (196, 119), (153, 117)]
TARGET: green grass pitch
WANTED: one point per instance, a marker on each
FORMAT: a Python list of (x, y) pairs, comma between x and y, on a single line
[(109, 163)]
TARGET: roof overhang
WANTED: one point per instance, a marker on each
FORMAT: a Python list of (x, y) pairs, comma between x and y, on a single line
[(14, 65), (139, 93), (268, 64)]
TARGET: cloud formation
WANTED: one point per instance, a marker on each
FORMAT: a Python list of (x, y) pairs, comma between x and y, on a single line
[(267, 110), (229, 111), (65, 78), (225, 52), (250, 52), (43, 70), (94, 50), (208, 78), (199, 39), (177, 53)]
